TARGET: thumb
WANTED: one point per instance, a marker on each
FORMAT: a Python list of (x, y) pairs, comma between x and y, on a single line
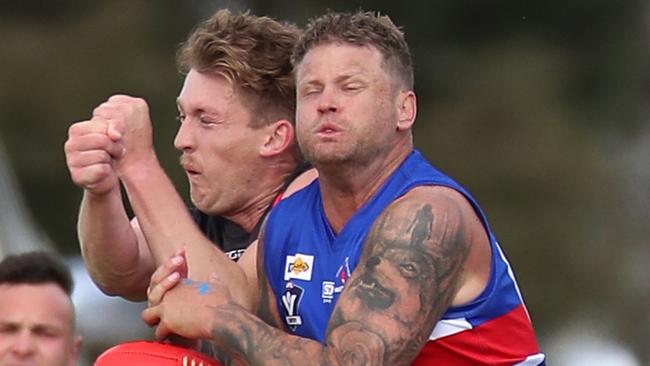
[(115, 130)]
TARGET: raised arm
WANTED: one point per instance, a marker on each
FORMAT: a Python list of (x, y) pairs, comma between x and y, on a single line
[(116, 255), (162, 214)]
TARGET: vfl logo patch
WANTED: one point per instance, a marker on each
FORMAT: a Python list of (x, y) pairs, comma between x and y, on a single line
[(290, 303), (298, 267), (330, 288)]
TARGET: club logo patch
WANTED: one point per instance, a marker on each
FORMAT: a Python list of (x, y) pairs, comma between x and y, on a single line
[(299, 267), (290, 303), (344, 271)]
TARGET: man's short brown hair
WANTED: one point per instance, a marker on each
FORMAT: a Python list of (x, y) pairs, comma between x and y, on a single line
[(254, 54), (361, 29)]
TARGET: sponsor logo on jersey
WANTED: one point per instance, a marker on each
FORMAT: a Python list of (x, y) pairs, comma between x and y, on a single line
[(330, 288), (298, 267), (235, 254), (290, 303)]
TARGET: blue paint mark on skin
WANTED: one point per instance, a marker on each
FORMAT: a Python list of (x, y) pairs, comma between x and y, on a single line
[(204, 287)]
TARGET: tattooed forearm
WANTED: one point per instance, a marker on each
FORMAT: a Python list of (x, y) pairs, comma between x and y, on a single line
[(260, 344), (353, 343)]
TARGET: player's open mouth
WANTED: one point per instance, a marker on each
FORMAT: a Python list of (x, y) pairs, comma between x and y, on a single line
[(190, 170)]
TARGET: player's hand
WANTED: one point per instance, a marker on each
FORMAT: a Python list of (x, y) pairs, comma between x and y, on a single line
[(132, 116), (189, 308), (163, 279), (166, 277), (90, 151)]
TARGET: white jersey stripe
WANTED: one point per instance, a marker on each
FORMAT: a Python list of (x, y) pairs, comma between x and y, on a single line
[(447, 327), (511, 274), (533, 360)]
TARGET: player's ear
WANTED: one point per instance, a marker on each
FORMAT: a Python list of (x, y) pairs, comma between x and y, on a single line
[(279, 138), (406, 109)]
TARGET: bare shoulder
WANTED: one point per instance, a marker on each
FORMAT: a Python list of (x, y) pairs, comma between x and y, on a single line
[(442, 213), (301, 182), (440, 198), (456, 228)]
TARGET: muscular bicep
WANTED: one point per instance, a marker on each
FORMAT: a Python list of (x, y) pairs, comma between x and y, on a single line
[(406, 278), (266, 308)]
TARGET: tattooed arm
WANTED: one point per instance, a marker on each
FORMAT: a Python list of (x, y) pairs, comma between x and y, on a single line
[(411, 269), (410, 272)]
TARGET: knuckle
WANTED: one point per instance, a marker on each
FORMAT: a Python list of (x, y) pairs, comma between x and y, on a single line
[(74, 175), (100, 108), (77, 128), (103, 157), (72, 130), (71, 160), (141, 103), (68, 146), (102, 170)]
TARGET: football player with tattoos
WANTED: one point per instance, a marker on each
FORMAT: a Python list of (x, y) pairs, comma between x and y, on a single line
[(383, 260)]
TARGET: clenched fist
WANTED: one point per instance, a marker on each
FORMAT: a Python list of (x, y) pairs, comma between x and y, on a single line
[(131, 116), (117, 139), (90, 151)]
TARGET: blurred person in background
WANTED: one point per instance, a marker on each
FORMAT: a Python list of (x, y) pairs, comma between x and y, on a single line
[(236, 135), (37, 316)]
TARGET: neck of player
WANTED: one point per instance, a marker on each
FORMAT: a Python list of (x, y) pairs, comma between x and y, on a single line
[(347, 187)]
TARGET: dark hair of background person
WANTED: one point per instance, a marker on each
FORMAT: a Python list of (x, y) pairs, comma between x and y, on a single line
[(36, 268)]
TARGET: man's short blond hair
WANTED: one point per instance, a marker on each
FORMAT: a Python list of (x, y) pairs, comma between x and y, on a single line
[(254, 54)]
